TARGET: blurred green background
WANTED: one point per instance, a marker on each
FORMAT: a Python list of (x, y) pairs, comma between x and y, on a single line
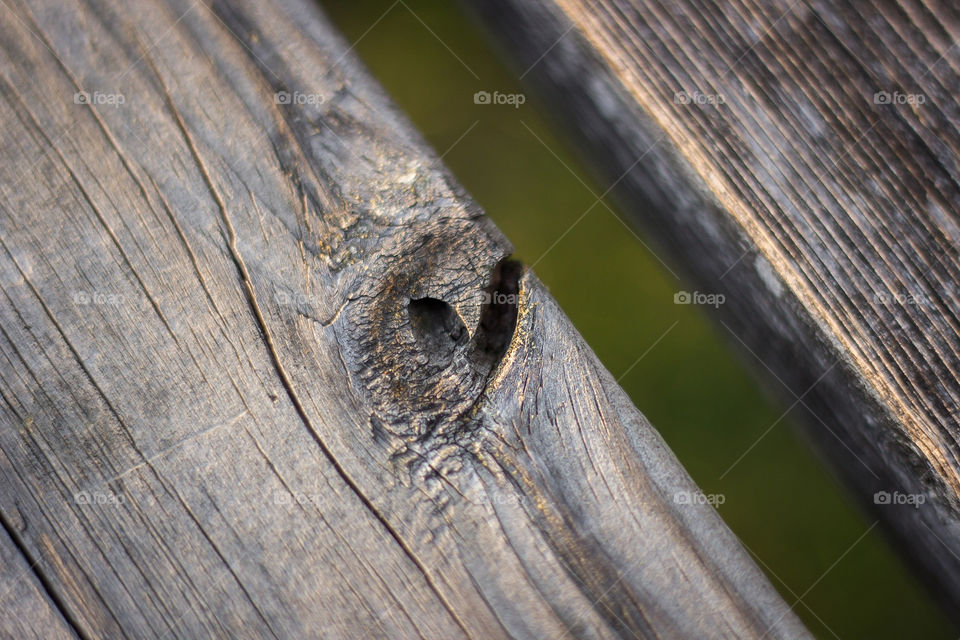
[(680, 369)]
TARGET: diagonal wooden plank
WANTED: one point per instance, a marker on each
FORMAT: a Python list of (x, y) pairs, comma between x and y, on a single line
[(800, 159), (28, 610), (267, 371)]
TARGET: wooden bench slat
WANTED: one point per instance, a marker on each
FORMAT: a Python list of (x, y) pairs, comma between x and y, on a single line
[(254, 380), (801, 159), (28, 611)]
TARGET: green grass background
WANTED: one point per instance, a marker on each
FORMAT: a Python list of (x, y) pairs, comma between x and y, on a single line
[(785, 507)]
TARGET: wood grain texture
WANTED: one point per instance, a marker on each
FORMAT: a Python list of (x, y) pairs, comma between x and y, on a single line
[(801, 158), (28, 611), (266, 372)]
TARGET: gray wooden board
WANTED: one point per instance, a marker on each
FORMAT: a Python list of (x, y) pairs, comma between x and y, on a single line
[(799, 158), (254, 382), (28, 611)]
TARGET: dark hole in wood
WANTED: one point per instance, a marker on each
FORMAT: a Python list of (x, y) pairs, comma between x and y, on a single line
[(440, 332), (499, 316), (437, 327)]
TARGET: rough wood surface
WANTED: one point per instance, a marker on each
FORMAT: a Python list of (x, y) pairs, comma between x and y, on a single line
[(27, 610), (265, 371), (801, 158)]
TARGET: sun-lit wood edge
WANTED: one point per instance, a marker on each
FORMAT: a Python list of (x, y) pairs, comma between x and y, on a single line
[(799, 159), (266, 371)]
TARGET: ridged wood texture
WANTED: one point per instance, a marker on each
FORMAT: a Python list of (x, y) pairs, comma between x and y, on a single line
[(255, 382), (801, 158)]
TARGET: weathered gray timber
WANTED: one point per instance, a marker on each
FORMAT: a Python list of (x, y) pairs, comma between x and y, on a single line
[(27, 609), (266, 372), (801, 158)]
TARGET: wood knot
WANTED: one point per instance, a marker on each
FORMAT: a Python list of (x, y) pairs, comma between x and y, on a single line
[(418, 363)]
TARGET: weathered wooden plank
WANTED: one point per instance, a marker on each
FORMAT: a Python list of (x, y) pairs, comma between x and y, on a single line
[(266, 371), (800, 158), (28, 611)]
